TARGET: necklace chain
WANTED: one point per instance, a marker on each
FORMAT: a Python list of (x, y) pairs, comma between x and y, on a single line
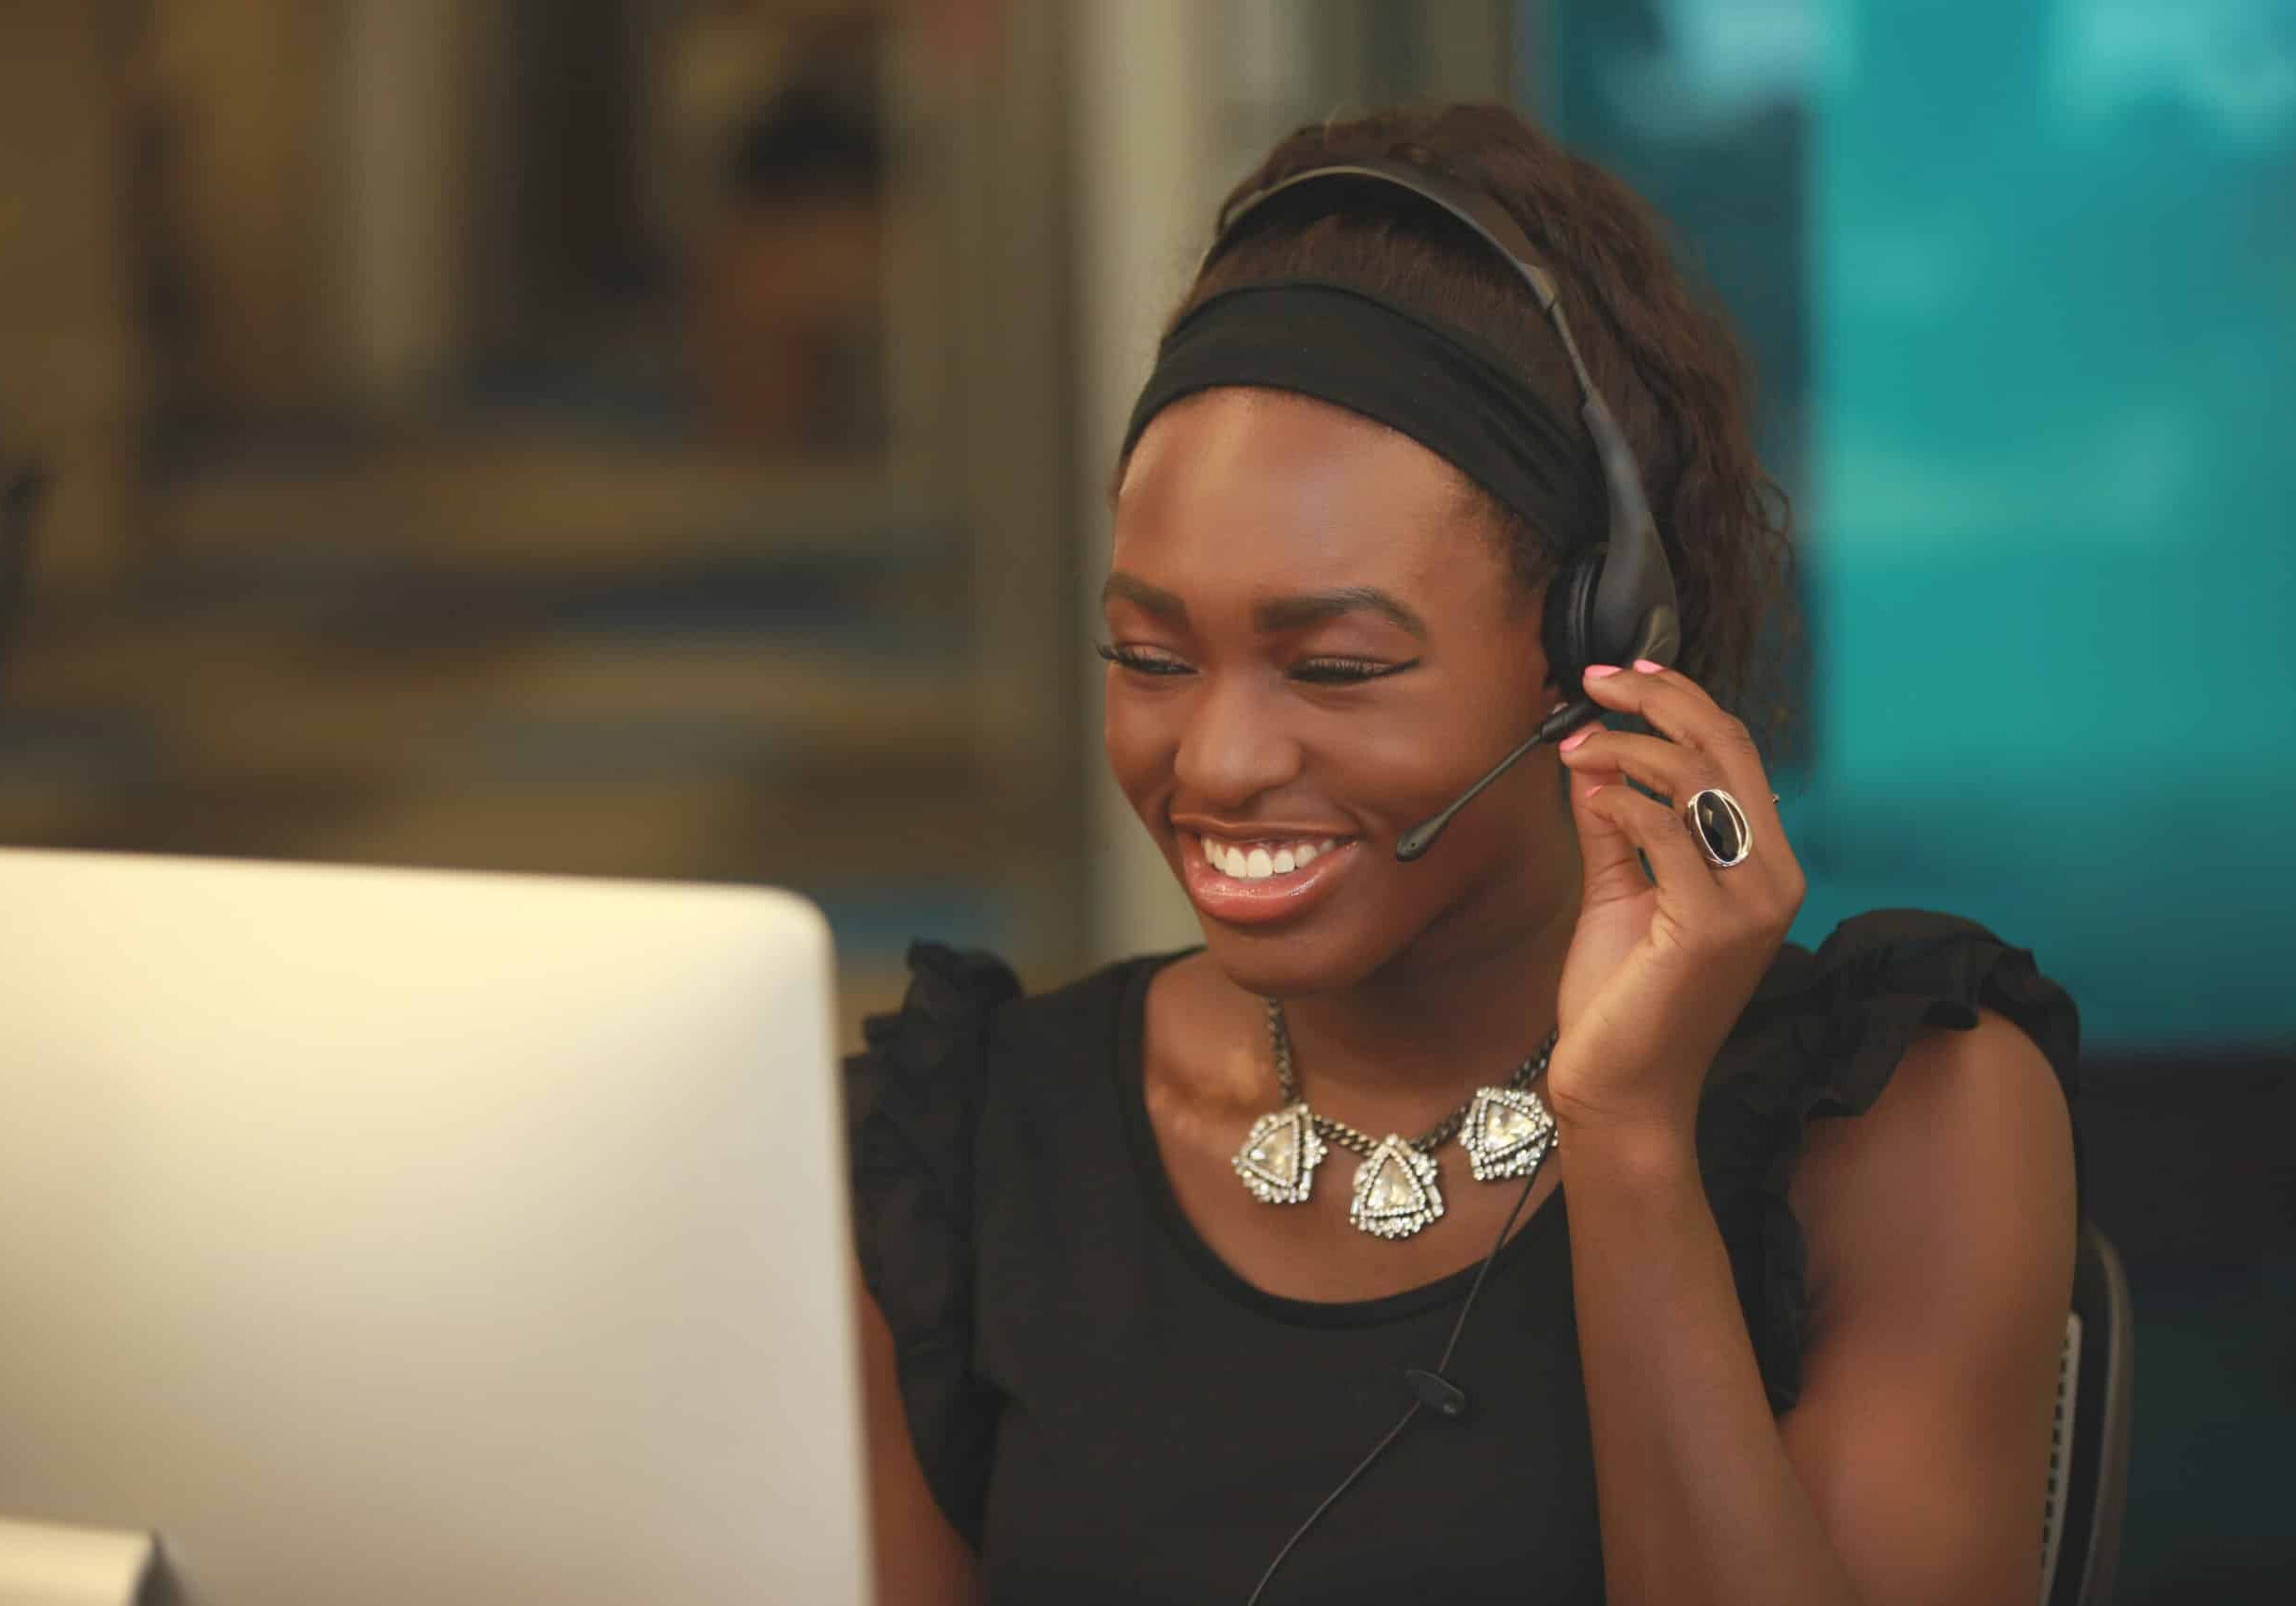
[(1359, 1142)]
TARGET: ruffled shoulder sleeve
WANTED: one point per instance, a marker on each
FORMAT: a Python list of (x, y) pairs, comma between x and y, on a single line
[(912, 1102), (1820, 1040)]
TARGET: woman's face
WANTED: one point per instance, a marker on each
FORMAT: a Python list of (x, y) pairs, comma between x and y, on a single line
[(1318, 647)]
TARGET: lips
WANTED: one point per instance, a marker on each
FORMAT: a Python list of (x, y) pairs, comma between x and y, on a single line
[(1256, 898)]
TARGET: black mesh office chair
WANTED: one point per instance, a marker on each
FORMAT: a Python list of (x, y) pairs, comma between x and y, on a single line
[(2088, 1461)]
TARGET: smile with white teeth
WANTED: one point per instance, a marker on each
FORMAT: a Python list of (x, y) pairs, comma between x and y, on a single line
[(1260, 860)]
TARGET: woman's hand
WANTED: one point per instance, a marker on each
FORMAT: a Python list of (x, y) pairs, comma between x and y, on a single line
[(1657, 974)]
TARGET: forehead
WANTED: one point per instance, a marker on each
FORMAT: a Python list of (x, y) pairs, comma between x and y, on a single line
[(1265, 490)]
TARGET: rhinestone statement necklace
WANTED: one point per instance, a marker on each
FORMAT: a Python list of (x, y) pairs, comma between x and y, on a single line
[(1507, 1131)]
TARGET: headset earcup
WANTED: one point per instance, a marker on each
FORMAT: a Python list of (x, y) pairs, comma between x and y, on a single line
[(1567, 628)]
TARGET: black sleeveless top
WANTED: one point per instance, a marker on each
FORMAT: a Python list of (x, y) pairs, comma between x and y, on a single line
[(1109, 1414)]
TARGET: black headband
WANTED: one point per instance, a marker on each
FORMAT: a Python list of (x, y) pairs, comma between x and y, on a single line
[(1441, 385)]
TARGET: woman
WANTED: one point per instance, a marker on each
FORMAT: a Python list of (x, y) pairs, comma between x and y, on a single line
[(1126, 1322)]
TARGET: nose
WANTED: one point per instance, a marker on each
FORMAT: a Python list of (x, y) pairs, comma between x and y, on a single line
[(1234, 747)]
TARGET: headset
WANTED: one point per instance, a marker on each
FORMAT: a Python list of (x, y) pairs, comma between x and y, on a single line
[(1611, 604)]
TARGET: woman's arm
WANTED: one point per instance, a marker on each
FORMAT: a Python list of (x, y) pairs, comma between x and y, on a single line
[(1911, 1473), (921, 1559), (1913, 1469), (1941, 1243)]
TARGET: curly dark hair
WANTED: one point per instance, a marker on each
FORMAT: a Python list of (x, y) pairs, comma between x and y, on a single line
[(1659, 349)]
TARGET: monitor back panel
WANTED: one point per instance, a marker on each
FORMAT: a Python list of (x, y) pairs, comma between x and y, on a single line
[(379, 1237)]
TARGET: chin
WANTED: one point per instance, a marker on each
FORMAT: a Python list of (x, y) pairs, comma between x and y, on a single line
[(1384, 928), (1275, 961)]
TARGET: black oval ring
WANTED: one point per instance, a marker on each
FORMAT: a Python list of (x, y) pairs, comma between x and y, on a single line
[(1724, 834)]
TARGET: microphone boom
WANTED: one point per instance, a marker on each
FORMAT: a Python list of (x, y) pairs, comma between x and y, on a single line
[(1422, 836)]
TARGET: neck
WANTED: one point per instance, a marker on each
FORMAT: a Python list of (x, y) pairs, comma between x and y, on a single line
[(1437, 1023)]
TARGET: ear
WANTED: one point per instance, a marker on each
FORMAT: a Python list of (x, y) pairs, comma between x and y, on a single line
[(1553, 694), (1531, 608)]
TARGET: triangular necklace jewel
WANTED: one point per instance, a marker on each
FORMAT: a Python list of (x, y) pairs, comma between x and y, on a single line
[(1278, 1160), (1506, 1130), (1507, 1133), (1395, 1190)]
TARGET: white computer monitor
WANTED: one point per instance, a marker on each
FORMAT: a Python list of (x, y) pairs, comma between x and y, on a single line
[(383, 1237)]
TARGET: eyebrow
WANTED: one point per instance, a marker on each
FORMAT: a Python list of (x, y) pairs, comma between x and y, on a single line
[(1275, 613), (1314, 606)]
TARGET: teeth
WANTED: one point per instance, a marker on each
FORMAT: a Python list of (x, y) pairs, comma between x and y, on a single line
[(1259, 864)]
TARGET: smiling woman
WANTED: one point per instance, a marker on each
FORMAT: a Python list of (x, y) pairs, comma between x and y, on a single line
[(1718, 1353), (1249, 701)]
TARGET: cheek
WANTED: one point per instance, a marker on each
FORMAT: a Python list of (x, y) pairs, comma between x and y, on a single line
[(1136, 738), (1382, 769), (1419, 757)]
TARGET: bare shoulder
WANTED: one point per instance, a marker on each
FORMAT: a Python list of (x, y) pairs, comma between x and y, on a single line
[(1969, 1144)]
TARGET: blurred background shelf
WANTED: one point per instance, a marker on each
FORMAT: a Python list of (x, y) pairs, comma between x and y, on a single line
[(535, 655), (595, 436)]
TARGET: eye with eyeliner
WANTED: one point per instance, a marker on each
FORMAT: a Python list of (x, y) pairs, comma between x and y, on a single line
[(1313, 671), (1139, 662), (1346, 671)]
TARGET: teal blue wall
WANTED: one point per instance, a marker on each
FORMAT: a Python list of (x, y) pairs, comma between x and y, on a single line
[(2042, 426)]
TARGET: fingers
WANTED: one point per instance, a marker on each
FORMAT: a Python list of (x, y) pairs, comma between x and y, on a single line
[(1615, 821), (1611, 870), (1676, 706), (1677, 862), (1679, 709), (1664, 767), (1699, 744)]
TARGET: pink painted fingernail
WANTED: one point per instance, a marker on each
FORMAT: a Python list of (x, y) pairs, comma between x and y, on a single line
[(1597, 671), (1647, 667), (1578, 735)]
